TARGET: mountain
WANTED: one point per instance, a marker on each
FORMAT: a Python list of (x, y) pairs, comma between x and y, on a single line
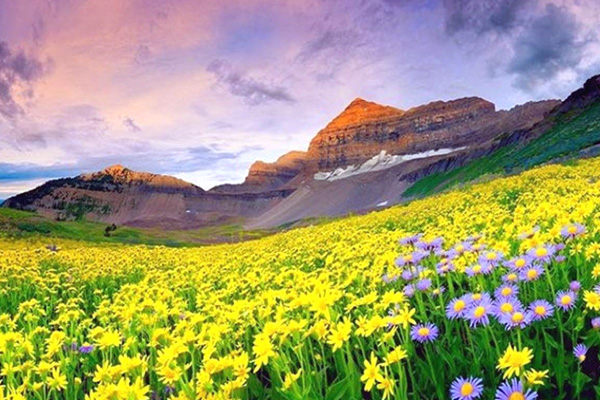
[(122, 196), (369, 156)]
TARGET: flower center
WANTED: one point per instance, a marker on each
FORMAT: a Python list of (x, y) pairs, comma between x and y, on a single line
[(506, 291), (506, 307), (459, 305), (565, 300), (423, 331), (540, 310), (476, 296), (572, 230), (491, 256), (516, 396), (541, 251), (479, 311), (532, 273), (519, 263), (477, 268), (466, 389), (517, 317)]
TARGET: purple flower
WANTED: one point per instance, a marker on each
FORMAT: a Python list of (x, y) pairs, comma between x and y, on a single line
[(575, 286), (541, 309), (512, 277), (430, 246), (566, 299), (506, 290), (532, 273), (571, 231), (424, 332), (516, 319), (491, 258), (407, 275), (458, 307), (86, 349), (466, 388), (580, 351), (410, 240), (473, 270), (478, 313), (596, 323), (518, 263), (438, 291), (506, 305), (541, 254), (513, 389), (409, 290), (424, 284)]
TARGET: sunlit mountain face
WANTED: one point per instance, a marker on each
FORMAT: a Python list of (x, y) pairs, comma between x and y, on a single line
[(201, 90)]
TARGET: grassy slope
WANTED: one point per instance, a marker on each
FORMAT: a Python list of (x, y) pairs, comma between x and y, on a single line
[(568, 136), (21, 224)]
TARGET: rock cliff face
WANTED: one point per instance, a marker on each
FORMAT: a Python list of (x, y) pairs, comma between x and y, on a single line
[(364, 129)]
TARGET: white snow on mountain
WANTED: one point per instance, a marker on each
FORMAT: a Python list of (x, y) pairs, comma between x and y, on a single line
[(379, 162)]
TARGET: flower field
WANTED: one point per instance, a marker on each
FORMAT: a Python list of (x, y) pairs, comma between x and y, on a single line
[(487, 292)]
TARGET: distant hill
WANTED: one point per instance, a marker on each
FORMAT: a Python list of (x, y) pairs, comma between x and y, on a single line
[(369, 156)]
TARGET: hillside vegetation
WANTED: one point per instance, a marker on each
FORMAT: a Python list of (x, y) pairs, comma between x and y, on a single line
[(490, 301)]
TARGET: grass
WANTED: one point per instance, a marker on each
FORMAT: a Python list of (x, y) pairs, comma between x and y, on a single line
[(569, 135), (17, 224)]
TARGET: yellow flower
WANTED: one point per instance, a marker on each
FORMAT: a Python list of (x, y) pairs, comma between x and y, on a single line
[(596, 272), (108, 339), (56, 380), (513, 361), (169, 375), (340, 334), (405, 317), (290, 379), (396, 355), (387, 385), (263, 350), (592, 300), (371, 373), (535, 378)]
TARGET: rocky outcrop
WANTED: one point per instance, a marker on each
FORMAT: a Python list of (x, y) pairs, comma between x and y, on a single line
[(264, 176), (354, 137)]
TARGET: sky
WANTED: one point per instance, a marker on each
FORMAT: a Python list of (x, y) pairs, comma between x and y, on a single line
[(200, 89)]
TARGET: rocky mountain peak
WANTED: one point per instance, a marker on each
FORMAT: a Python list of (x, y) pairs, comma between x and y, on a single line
[(360, 111)]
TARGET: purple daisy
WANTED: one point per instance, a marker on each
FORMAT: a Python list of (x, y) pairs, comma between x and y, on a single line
[(424, 284), (532, 273), (566, 299), (473, 270), (513, 389), (596, 323), (422, 333), (479, 312), (541, 309), (409, 290), (580, 351), (575, 286), (407, 275), (86, 349), (506, 290), (457, 308), (506, 305), (518, 263), (516, 319), (571, 231), (541, 254), (431, 245), (410, 240), (466, 388), (511, 277), (491, 258)]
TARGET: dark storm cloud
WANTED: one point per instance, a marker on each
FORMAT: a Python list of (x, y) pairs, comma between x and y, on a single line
[(550, 44), (254, 92), (131, 125), (482, 16), (17, 72)]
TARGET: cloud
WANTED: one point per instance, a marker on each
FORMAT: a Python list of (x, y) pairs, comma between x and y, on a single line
[(17, 72), (252, 91), (549, 45), (131, 125), (483, 16), (332, 40)]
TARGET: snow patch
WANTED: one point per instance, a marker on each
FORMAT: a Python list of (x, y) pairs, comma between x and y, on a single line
[(382, 204), (380, 162)]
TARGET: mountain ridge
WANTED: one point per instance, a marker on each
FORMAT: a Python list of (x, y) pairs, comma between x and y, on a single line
[(434, 137)]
